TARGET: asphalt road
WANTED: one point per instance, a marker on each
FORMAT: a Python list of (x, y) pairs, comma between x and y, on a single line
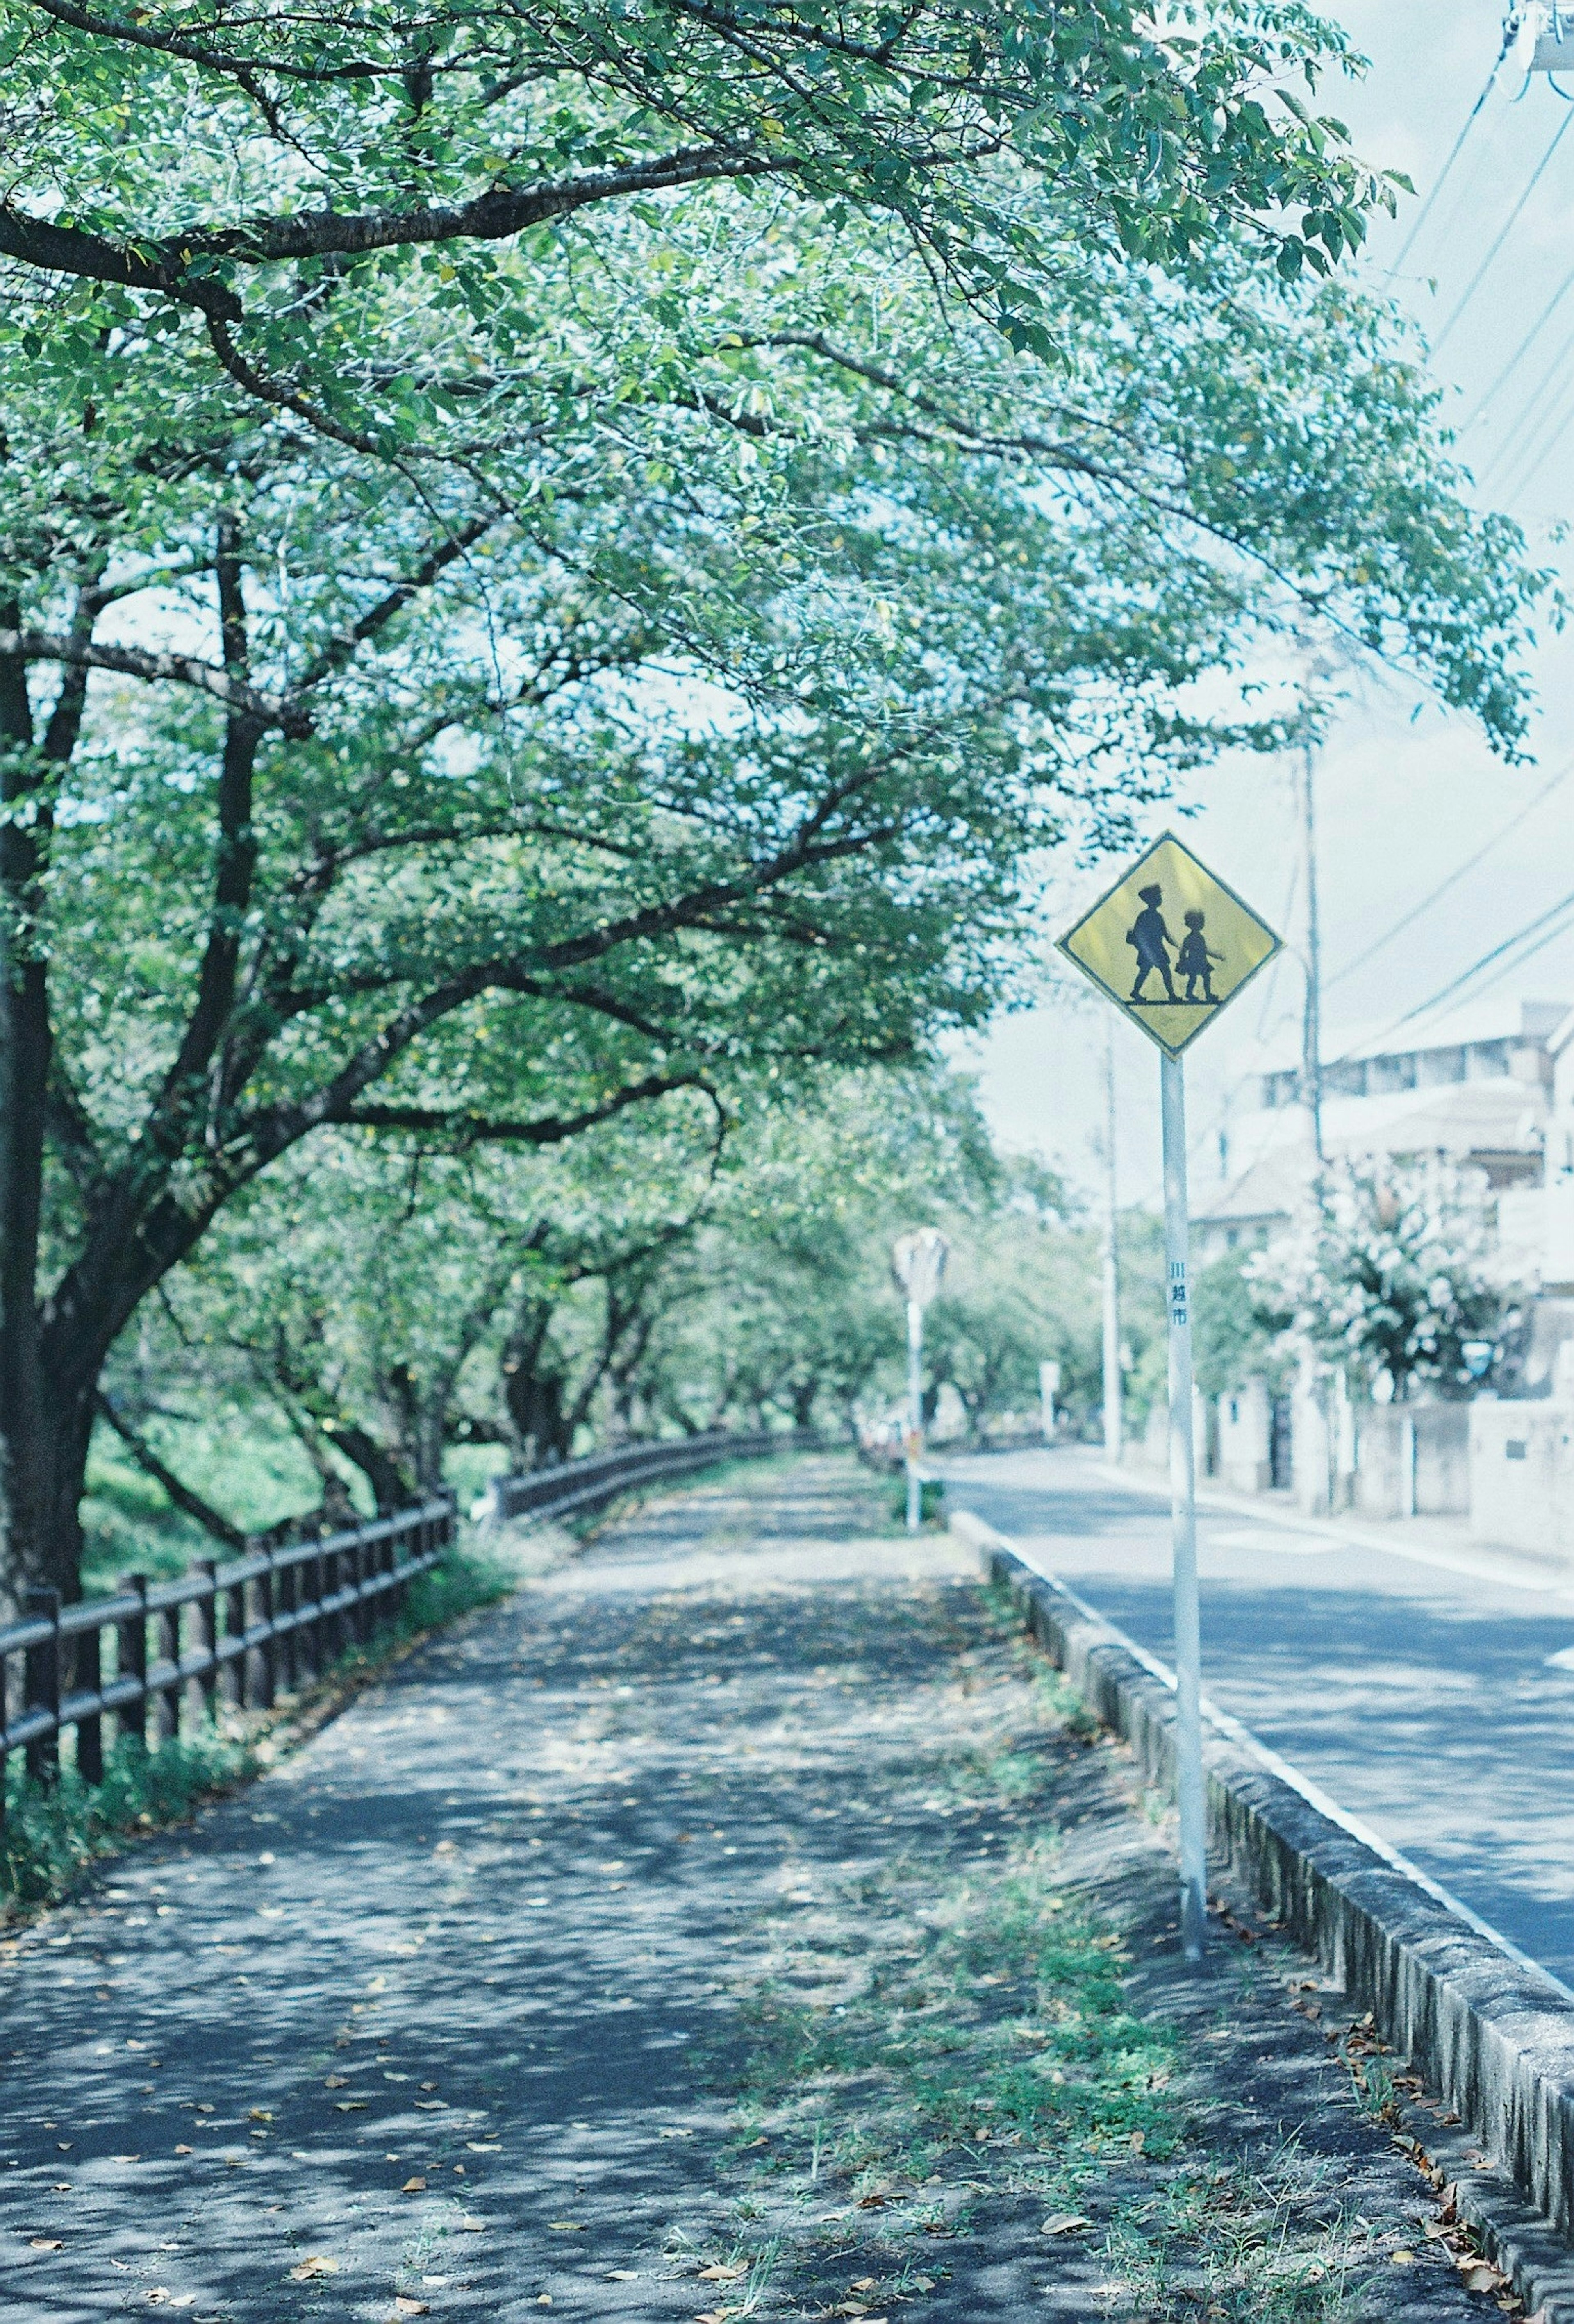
[(1421, 1700)]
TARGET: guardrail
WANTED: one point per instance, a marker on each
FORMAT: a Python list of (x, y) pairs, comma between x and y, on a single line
[(240, 1630), (575, 1485)]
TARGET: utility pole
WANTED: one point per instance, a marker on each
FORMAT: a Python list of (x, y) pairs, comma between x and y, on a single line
[(1311, 1015), (1113, 1384)]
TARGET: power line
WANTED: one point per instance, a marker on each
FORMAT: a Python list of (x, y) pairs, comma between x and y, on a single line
[(1441, 180), (1543, 447), (1538, 928), (1507, 227), (1523, 348), (1453, 879), (1555, 377)]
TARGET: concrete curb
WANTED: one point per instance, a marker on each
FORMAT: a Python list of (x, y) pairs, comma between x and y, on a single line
[(1493, 2035)]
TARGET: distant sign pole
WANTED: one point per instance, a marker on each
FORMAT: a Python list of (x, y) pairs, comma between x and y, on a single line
[(1048, 1389), (1129, 948), (919, 1263)]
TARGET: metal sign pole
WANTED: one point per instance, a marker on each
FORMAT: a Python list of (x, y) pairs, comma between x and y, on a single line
[(1171, 976), (1183, 1522), (915, 1410)]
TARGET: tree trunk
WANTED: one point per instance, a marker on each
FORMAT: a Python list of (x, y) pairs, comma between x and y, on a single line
[(47, 1437)]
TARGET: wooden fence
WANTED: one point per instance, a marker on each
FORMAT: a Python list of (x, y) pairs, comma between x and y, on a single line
[(574, 1487), (160, 1654), (159, 1651)]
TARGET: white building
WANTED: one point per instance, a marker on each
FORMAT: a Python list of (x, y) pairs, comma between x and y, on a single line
[(1489, 1086)]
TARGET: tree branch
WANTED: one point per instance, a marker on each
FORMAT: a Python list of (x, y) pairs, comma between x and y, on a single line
[(268, 710), (67, 250), (477, 1129), (191, 1503)]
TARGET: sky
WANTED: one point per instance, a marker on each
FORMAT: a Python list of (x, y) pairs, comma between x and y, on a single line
[(1405, 793)]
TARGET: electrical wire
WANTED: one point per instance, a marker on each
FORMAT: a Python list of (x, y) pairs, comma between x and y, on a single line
[(1539, 927), (1507, 227), (1441, 180), (1520, 353), (1453, 879), (1554, 379), (1543, 448)]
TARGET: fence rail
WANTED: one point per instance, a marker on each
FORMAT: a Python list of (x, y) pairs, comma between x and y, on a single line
[(240, 1631), (159, 1655), (575, 1485)]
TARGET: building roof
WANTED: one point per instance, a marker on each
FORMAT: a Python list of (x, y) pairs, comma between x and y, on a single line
[(1268, 1188), (1460, 1120), (1500, 1116), (1487, 1020)]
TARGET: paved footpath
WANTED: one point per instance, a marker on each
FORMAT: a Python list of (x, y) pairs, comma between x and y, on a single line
[(449, 2014)]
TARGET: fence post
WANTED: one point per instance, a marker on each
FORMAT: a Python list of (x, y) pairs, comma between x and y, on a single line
[(167, 1649), (131, 1654), (235, 1623), (259, 1691), (287, 1600), (87, 1666), (207, 1613), (334, 1636), (311, 1635), (42, 1683), (388, 1563)]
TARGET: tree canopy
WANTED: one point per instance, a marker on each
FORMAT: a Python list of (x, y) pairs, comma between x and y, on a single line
[(551, 559)]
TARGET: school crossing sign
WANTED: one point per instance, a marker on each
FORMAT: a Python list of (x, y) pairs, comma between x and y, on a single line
[(1171, 945)]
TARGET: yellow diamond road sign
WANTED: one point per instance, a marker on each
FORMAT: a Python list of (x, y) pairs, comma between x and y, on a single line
[(1171, 945)]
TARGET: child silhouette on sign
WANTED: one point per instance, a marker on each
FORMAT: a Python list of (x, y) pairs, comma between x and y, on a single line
[(1151, 942), (1195, 959)]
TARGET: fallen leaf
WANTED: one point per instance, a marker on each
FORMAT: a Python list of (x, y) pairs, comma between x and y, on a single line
[(1478, 2276), (43, 2242), (871, 2202), (259, 2113), (314, 2265), (1406, 2259), (1063, 2223), (482, 2146), (403, 2307), (349, 2105), (867, 2283), (336, 2082), (414, 2187), (185, 2150), (622, 2275), (431, 2105), (720, 2273), (567, 2226), (470, 2227)]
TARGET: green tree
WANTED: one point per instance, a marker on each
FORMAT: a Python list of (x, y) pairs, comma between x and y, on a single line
[(1390, 1272), (1236, 1334), (594, 600), (782, 1304), (1021, 1288)]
